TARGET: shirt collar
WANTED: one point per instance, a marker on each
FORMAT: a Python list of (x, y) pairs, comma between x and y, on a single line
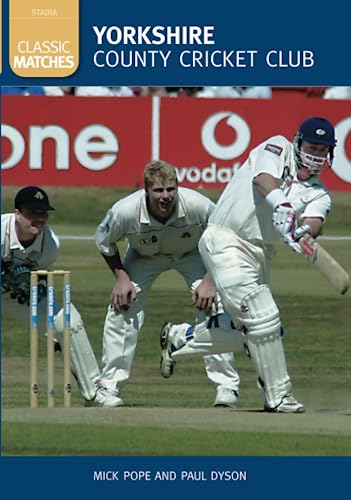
[(144, 217)]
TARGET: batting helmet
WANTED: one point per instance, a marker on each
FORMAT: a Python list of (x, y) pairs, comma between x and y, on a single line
[(315, 130)]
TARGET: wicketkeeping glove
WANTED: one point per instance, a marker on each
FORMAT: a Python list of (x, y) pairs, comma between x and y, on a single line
[(21, 284), (17, 283)]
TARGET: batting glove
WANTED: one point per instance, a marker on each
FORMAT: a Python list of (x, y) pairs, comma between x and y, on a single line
[(284, 220), (292, 239), (301, 231)]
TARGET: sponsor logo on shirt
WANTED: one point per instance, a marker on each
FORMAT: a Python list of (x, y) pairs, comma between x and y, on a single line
[(148, 241), (273, 148)]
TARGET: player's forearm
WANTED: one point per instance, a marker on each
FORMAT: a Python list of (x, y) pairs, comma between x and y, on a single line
[(315, 224), (265, 183), (207, 279), (114, 262)]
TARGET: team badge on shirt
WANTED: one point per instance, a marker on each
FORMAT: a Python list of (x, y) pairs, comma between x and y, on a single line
[(273, 148)]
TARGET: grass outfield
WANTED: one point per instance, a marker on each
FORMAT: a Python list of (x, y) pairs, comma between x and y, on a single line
[(110, 440), (84, 207), (175, 417)]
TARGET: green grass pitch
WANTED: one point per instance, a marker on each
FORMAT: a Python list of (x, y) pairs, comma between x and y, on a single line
[(175, 416)]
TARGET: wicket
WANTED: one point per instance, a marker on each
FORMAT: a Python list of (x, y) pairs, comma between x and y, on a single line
[(34, 336)]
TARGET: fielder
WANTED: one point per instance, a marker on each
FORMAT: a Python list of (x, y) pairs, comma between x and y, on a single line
[(163, 224), (277, 194), (27, 243)]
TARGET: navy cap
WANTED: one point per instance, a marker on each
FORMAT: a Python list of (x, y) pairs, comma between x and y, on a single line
[(317, 130), (34, 198)]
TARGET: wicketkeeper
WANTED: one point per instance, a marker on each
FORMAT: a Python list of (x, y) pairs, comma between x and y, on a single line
[(28, 244)]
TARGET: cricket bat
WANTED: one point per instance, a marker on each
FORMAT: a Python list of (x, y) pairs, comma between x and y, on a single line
[(325, 263)]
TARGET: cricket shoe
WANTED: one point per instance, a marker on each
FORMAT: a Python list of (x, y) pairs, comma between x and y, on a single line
[(287, 405), (166, 361), (226, 397), (107, 398)]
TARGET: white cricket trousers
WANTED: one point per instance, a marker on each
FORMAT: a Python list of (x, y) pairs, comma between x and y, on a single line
[(121, 329), (240, 271), (236, 266)]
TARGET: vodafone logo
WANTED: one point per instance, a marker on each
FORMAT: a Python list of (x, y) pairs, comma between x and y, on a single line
[(221, 151), (214, 130), (342, 162)]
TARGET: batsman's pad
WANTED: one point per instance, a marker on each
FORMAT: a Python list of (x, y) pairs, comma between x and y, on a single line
[(265, 345), (214, 336), (84, 365)]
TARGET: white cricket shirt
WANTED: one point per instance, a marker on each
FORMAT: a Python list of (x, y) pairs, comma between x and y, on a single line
[(242, 208), (41, 254), (129, 219)]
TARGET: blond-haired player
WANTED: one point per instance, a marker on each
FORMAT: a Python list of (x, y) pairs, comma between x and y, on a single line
[(162, 224)]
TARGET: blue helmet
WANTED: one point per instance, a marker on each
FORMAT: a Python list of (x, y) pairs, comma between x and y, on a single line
[(315, 130)]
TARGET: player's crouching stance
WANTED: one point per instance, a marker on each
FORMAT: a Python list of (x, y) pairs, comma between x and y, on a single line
[(27, 244), (278, 185), (162, 224)]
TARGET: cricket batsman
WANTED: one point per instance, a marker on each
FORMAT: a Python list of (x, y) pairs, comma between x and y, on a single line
[(276, 194)]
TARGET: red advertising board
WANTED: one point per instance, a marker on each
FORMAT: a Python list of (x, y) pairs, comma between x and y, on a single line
[(215, 136), (74, 141), (106, 141)]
